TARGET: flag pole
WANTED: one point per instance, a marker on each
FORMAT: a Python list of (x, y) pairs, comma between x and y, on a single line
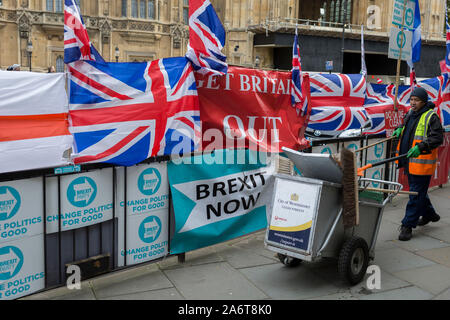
[(399, 60)]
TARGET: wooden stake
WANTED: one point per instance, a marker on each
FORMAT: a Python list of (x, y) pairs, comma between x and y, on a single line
[(399, 60)]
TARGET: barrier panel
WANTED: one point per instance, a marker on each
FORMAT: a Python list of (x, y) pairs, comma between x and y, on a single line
[(53, 218)]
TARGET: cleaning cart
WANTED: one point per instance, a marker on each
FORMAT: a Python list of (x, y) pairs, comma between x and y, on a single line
[(305, 222)]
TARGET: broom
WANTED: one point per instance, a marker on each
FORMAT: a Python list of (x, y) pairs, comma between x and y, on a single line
[(350, 205)]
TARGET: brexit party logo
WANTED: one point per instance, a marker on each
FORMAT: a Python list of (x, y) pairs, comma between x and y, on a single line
[(150, 229), (11, 261), (378, 150), (9, 202), (149, 181), (82, 191)]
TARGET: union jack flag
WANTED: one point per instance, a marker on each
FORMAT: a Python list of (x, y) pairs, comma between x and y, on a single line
[(447, 26), (206, 39), (438, 90), (124, 113), (337, 101), (77, 45), (380, 97), (297, 78)]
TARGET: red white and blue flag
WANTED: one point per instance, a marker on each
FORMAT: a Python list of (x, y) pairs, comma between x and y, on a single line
[(380, 97), (438, 90), (447, 27), (124, 113), (298, 99), (338, 102), (206, 39), (77, 45)]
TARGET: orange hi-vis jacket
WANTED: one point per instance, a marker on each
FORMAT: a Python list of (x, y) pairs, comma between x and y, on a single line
[(426, 163)]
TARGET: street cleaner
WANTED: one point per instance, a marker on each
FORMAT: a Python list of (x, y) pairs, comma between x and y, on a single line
[(419, 138)]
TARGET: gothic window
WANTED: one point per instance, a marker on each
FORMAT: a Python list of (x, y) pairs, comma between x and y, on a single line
[(60, 64), (134, 8), (58, 5), (124, 8), (142, 11), (332, 8), (151, 9), (186, 11), (338, 6), (49, 5)]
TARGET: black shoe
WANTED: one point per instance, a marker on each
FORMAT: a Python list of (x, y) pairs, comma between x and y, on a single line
[(405, 233), (423, 221)]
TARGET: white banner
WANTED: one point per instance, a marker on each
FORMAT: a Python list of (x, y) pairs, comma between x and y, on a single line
[(33, 121)]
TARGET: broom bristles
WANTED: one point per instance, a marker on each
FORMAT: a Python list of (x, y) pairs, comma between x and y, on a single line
[(350, 203)]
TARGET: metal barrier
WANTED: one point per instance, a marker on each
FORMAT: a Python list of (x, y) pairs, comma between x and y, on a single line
[(103, 247)]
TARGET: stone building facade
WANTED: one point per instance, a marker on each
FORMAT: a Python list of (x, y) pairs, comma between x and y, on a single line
[(126, 30), (259, 32)]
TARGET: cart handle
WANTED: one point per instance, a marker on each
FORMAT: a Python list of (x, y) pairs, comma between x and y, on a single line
[(398, 186)]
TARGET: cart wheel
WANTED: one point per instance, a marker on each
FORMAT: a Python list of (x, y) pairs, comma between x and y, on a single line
[(289, 261), (353, 260)]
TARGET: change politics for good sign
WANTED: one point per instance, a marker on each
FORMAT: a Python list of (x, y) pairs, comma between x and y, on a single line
[(21, 238), (86, 199), (147, 218)]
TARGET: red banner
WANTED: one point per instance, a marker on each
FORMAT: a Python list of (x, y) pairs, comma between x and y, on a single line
[(440, 176), (393, 119), (249, 108)]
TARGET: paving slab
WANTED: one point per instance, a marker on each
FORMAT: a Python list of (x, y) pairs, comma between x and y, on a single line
[(256, 245), (193, 258), (387, 282), (420, 241), (388, 231), (394, 216), (408, 293), (394, 260), (213, 281), (434, 279), (441, 255), (437, 230), (281, 282), (63, 293), (163, 294), (130, 281), (443, 296), (243, 258)]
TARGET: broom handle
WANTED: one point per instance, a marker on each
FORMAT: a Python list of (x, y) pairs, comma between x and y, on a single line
[(374, 144), (391, 191), (388, 160)]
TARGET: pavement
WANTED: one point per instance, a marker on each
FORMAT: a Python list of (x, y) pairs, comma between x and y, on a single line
[(242, 269)]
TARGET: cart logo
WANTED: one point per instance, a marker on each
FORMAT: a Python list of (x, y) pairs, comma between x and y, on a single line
[(9, 202), (294, 197)]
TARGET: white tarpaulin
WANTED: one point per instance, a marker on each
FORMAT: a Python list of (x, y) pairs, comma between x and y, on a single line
[(33, 121)]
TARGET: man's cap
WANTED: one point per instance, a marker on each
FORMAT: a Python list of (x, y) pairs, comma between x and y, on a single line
[(421, 93)]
